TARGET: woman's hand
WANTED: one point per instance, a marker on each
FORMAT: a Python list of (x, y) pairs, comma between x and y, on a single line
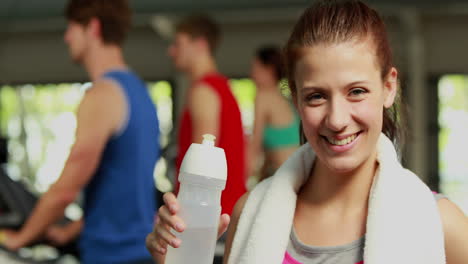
[(166, 220)]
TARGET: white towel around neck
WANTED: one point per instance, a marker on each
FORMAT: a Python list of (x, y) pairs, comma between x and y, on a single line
[(403, 222)]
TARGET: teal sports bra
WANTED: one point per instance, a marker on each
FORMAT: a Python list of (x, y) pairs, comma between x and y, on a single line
[(281, 137)]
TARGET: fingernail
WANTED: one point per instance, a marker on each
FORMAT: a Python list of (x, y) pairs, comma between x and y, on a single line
[(161, 250), (179, 227), (173, 207), (176, 242)]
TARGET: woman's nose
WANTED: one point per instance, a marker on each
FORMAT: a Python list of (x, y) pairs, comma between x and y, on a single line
[(338, 115)]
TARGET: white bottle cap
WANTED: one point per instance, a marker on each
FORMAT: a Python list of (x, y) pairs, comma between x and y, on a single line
[(208, 139), (205, 159)]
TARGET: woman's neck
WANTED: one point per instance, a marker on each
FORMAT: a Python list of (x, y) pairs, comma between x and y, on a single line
[(344, 191), (271, 86)]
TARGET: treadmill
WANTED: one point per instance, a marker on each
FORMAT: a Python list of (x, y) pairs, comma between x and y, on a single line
[(16, 204)]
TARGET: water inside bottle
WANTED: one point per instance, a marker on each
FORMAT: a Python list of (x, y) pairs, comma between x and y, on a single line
[(197, 246)]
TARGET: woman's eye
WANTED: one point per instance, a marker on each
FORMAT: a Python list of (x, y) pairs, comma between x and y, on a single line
[(357, 92), (314, 97)]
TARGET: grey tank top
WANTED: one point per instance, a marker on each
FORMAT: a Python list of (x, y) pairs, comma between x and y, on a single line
[(352, 253)]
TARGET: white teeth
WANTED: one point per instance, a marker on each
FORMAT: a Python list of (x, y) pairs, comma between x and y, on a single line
[(343, 141)]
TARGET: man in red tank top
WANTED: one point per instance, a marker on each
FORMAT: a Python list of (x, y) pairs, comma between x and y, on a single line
[(210, 106)]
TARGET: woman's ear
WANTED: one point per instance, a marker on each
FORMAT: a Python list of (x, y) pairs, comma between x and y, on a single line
[(390, 87)]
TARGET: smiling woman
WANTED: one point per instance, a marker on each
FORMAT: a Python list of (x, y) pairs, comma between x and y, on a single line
[(345, 188), (341, 102), (344, 83)]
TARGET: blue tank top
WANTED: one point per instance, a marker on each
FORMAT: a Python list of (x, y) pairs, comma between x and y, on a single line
[(120, 203)]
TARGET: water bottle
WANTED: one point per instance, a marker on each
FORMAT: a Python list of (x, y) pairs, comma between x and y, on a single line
[(202, 178)]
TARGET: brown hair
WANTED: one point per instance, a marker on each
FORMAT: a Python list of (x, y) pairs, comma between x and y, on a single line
[(335, 21), (114, 16), (271, 56), (200, 26)]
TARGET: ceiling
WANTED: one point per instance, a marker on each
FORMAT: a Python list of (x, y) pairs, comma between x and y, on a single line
[(47, 15), (31, 33), (34, 9), (15, 10)]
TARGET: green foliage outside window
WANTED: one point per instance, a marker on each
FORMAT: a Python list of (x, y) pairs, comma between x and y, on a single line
[(453, 122), (40, 121)]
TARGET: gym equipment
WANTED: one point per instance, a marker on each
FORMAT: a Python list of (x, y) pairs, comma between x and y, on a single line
[(16, 204)]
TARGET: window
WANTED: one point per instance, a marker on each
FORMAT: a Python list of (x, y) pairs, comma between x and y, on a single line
[(40, 121), (453, 142), (244, 91)]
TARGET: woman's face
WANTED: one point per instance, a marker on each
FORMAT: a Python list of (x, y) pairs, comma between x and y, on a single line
[(340, 98), (261, 74)]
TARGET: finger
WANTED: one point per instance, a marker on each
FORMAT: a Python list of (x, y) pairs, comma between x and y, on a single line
[(158, 252), (223, 224), (171, 202), (155, 247), (163, 236), (157, 219), (166, 218)]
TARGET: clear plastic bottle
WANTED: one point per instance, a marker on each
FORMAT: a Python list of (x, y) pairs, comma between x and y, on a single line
[(202, 178)]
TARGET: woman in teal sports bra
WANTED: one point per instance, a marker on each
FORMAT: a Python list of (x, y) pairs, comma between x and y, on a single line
[(276, 124)]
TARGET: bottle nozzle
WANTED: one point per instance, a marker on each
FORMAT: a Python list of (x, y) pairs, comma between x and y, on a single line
[(208, 140)]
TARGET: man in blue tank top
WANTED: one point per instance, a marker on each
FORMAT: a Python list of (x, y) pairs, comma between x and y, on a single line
[(116, 147)]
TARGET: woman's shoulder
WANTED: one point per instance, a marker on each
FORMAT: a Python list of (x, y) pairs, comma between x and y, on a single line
[(253, 197), (256, 193), (455, 225), (237, 211), (452, 216), (232, 228)]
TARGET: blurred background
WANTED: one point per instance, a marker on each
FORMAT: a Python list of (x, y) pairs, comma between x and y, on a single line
[(40, 88)]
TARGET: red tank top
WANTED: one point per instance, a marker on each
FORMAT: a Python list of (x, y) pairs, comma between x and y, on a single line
[(230, 138)]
